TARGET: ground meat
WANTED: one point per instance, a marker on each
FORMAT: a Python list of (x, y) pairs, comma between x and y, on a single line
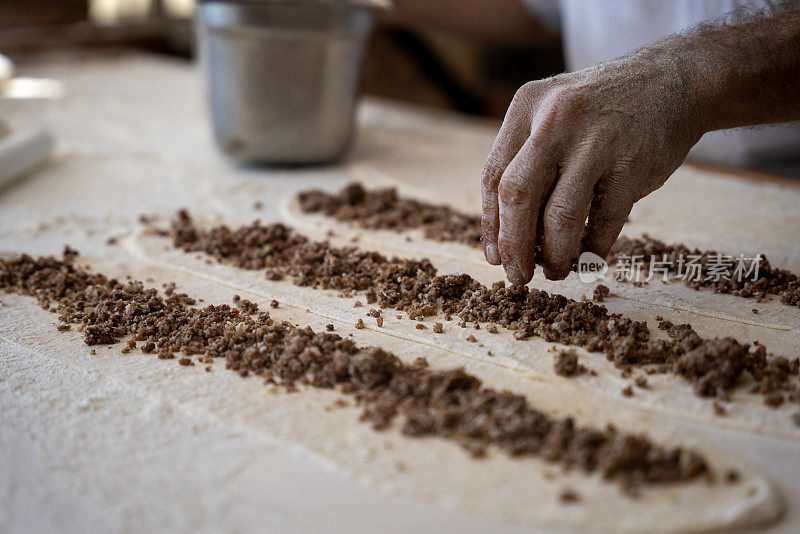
[(600, 293), (774, 400), (566, 363), (731, 476), (245, 305), (451, 404), (715, 367), (100, 334), (569, 496), (438, 328), (770, 280), (385, 209)]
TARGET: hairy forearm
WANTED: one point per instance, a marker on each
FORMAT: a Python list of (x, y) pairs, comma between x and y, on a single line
[(595, 141), (740, 75)]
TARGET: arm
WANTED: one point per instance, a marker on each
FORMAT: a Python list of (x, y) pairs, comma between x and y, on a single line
[(751, 74), (592, 142), (497, 21)]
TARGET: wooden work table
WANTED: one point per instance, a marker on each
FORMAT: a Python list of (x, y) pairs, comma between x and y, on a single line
[(133, 138)]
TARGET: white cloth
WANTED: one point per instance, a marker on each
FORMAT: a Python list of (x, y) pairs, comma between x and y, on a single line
[(595, 31)]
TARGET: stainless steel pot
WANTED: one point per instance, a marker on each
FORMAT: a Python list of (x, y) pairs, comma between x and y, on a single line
[(283, 75)]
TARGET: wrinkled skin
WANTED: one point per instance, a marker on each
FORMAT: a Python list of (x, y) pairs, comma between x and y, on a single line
[(583, 144)]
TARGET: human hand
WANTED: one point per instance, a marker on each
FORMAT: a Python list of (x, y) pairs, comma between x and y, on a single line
[(584, 144)]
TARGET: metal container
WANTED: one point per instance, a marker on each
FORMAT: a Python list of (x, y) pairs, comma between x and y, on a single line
[(284, 75)]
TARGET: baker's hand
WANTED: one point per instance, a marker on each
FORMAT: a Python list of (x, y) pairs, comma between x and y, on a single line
[(583, 144)]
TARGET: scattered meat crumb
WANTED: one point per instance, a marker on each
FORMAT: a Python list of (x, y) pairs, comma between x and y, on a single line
[(600, 293), (566, 363), (569, 496), (774, 400)]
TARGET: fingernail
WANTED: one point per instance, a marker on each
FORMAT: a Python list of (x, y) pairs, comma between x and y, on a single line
[(515, 275), (492, 256)]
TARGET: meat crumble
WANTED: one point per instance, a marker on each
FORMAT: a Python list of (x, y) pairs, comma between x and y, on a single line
[(384, 209), (451, 404), (715, 367)]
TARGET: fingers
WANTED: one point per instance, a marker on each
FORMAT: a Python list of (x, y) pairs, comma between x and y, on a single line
[(510, 139), (497, 162), (564, 216), (610, 209), (522, 190)]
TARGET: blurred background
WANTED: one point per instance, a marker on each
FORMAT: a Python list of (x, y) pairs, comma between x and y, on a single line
[(475, 74)]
